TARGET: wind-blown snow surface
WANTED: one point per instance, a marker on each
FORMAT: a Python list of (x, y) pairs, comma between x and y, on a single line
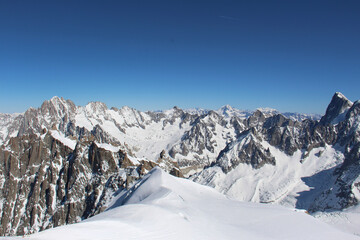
[(161, 206), (347, 220)]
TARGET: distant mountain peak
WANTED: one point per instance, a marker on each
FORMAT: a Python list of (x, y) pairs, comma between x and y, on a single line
[(227, 107), (96, 106), (57, 106), (267, 109), (55, 98), (229, 111), (199, 111)]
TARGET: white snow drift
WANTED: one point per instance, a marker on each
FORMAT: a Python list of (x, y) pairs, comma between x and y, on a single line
[(161, 206)]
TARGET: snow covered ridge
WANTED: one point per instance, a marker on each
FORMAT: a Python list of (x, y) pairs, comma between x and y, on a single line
[(161, 206), (59, 107), (61, 163)]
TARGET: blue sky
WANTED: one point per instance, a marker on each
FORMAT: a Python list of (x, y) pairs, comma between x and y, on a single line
[(289, 55)]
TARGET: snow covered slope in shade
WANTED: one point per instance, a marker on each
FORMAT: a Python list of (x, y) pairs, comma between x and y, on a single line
[(283, 183), (164, 207)]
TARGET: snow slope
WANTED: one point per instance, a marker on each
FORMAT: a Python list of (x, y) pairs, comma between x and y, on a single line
[(284, 183), (347, 220), (146, 137), (161, 206)]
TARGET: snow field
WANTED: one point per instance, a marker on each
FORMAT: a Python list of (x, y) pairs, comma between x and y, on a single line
[(164, 207)]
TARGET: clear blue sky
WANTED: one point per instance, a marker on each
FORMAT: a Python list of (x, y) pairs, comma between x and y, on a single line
[(289, 55)]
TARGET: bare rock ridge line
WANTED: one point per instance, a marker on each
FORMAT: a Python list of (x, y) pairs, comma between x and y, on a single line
[(62, 163)]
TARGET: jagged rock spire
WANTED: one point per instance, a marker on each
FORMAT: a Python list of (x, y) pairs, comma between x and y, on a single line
[(338, 106)]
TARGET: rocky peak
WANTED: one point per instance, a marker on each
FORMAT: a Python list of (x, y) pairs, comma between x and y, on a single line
[(126, 109), (173, 112), (257, 118), (213, 117), (56, 100), (132, 117), (128, 112), (57, 107), (246, 149), (337, 109), (177, 111), (96, 108), (277, 120), (268, 112)]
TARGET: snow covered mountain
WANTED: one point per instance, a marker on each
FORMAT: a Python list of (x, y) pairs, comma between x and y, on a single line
[(312, 165), (161, 206), (147, 134), (62, 163)]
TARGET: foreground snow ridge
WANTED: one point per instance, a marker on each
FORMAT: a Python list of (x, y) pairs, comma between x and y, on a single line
[(161, 206)]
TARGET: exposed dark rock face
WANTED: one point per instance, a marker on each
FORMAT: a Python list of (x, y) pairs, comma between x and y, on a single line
[(47, 184), (202, 140), (338, 105), (341, 194), (245, 150)]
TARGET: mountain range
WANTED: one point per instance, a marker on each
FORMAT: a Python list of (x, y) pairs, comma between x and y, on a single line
[(63, 163)]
